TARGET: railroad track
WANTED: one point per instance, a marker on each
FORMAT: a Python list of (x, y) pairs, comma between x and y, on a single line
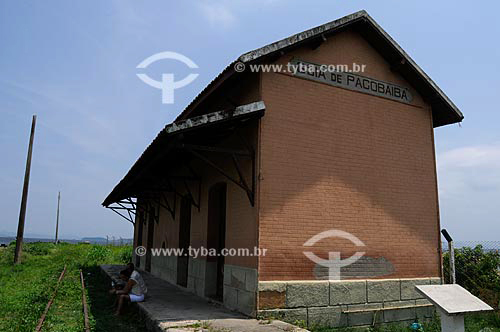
[(49, 304), (47, 307), (84, 304)]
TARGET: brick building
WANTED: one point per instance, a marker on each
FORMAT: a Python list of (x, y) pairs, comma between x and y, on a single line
[(271, 159)]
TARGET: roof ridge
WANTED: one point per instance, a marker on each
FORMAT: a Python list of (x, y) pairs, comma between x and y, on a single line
[(437, 96), (304, 35)]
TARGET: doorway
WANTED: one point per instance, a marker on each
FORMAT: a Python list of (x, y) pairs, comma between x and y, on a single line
[(184, 241), (216, 239), (151, 230)]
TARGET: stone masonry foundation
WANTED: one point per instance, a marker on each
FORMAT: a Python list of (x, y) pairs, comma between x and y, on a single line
[(344, 303), (240, 289)]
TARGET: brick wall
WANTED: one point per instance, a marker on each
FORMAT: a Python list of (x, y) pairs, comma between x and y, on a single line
[(338, 159), (328, 158)]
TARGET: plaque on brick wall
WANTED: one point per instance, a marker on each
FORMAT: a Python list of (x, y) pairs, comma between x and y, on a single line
[(349, 80)]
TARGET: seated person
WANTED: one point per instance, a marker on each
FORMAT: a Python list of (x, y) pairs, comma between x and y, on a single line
[(135, 275), (134, 290), (116, 285), (120, 284)]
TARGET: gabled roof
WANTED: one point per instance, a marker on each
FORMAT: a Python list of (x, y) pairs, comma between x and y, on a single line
[(443, 110)]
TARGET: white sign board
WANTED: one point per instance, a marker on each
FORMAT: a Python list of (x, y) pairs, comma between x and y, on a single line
[(453, 299)]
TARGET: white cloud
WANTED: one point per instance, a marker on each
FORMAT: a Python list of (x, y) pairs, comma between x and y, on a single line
[(217, 13), (475, 156), (470, 171), (225, 12), (469, 191)]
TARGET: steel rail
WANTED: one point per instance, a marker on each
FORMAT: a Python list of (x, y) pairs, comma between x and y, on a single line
[(84, 303), (49, 304)]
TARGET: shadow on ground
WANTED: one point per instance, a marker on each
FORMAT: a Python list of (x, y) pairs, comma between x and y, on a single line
[(101, 306)]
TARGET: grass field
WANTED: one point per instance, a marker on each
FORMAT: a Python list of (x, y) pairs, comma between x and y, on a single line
[(26, 288), (481, 322), (485, 322)]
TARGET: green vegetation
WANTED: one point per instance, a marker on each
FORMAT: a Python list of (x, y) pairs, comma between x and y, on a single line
[(26, 288), (431, 326), (478, 272), (484, 322), (475, 270)]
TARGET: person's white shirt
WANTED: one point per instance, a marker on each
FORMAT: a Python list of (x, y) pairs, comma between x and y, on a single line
[(140, 286)]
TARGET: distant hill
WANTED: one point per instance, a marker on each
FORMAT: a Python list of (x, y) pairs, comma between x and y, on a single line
[(103, 240), (95, 238)]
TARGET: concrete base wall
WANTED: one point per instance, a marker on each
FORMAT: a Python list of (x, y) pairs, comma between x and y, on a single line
[(240, 289), (142, 261), (240, 283), (344, 303), (196, 276), (164, 267)]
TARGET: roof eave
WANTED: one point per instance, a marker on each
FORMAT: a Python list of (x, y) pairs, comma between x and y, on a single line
[(174, 128)]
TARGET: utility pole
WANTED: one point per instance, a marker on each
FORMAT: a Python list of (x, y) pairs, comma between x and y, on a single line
[(57, 218), (24, 199)]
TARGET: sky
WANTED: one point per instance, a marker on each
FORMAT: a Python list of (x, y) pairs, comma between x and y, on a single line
[(73, 63)]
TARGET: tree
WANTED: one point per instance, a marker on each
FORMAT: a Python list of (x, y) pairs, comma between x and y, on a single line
[(477, 271)]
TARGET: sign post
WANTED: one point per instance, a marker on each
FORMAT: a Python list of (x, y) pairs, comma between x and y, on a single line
[(451, 249)]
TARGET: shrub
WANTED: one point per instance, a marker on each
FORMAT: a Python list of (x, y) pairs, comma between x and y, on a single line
[(98, 254), (7, 255), (477, 271), (124, 255), (38, 248)]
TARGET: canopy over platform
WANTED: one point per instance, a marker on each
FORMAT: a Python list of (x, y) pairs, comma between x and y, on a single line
[(157, 169)]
